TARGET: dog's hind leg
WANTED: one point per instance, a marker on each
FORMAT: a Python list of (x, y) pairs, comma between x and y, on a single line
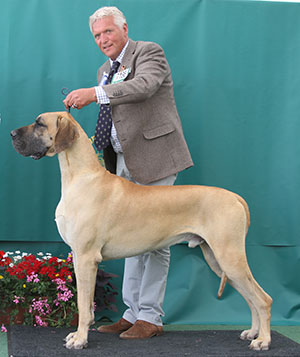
[(211, 259), (215, 267), (253, 332), (85, 271), (231, 258), (260, 304)]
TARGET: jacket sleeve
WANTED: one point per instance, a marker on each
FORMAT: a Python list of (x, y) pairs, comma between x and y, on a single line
[(149, 69)]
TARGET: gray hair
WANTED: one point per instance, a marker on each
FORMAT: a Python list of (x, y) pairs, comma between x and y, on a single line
[(118, 16)]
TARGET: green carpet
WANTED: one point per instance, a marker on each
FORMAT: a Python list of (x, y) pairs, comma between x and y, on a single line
[(3, 345)]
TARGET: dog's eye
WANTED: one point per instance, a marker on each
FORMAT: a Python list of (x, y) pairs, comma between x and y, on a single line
[(39, 124)]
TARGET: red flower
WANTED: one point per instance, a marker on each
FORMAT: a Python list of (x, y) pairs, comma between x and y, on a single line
[(53, 260), (4, 260), (64, 273)]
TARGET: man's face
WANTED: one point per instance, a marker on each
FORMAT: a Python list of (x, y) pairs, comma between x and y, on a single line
[(109, 37)]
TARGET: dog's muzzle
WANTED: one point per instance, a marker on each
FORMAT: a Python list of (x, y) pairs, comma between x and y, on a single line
[(28, 145)]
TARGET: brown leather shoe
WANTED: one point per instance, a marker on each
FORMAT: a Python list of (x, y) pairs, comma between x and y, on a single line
[(142, 329), (118, 327)]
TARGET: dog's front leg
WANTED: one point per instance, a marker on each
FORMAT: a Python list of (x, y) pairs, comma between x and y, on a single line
[(85, 271)]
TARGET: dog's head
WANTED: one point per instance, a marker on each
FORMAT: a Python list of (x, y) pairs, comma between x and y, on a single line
[(50, 134)]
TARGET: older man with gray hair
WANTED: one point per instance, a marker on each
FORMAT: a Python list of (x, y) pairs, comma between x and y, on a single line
[(141, 136)]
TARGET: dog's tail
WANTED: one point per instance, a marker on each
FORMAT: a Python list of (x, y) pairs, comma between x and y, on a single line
[(222, 285)]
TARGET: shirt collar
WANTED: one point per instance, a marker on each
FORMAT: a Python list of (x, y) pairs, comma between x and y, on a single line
[(121, 55)]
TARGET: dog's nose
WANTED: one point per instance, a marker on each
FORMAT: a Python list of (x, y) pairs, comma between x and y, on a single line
[(13, 133)]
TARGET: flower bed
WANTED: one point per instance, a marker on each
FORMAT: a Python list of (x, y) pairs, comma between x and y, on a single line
[(41, 290)]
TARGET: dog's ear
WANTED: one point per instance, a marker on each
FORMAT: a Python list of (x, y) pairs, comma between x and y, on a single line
[(66, 134)]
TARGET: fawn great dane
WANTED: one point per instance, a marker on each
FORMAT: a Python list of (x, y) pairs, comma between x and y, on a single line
[(100, 216)]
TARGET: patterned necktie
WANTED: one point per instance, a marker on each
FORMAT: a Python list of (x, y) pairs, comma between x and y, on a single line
[(104, 123)]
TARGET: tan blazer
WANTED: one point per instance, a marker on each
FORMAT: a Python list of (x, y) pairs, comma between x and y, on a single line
[(145, 115)]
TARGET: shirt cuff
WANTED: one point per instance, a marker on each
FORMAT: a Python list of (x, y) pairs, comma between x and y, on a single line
[(102, 98)]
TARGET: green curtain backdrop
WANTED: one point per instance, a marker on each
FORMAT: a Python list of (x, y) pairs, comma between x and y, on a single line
[(236, 71)]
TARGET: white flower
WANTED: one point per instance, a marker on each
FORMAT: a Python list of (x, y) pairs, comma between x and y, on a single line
[(17, 252), (24, 254), (40, 254)]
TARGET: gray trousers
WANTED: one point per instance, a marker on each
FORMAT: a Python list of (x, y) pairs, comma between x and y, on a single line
[(145, 276)]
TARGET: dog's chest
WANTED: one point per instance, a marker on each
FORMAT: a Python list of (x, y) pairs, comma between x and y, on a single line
[(62, 222)]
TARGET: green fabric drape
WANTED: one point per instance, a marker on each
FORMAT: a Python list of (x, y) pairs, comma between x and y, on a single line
[(236, 74)]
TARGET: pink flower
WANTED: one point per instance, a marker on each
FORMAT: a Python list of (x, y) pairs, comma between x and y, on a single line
[(70, 257), (66, 296), (56, 302), (32, 277), (60, 284), (16, 300), (3, 328), (40, 306), (40, 322)]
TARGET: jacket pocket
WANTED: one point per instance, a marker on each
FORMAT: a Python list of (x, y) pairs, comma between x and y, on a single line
[(158, 131)]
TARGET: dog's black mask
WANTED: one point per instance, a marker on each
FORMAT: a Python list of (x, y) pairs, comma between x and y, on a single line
[(28, 144)]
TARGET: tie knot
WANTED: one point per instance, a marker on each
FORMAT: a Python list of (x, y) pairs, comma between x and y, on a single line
[(115, 65)]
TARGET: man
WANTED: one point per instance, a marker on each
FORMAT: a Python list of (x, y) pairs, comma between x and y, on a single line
[(146, 145)]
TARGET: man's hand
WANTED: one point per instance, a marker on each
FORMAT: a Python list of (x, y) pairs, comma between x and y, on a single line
[(79, 98)]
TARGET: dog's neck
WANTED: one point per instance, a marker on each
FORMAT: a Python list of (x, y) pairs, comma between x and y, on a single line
[(80, 159)]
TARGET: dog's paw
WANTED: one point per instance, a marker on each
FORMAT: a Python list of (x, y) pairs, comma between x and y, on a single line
[(70, 335), (249, 334), (74, 341), (260, 344)]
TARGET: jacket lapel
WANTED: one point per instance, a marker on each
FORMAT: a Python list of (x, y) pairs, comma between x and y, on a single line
[(128, 54), (125, 62)]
